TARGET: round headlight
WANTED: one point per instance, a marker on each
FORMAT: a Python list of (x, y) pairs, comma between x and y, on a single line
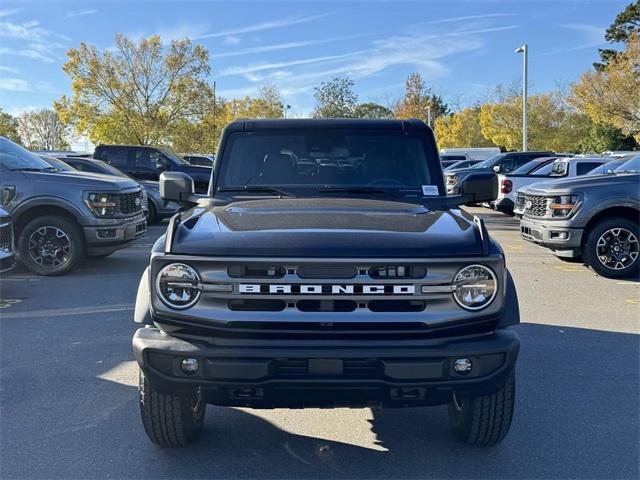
[(178, 285), (475, 287)]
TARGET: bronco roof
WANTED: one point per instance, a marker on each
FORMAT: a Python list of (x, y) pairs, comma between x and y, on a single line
[(249, 124)]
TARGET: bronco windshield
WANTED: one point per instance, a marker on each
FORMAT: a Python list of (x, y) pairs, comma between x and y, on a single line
[(315, 158)]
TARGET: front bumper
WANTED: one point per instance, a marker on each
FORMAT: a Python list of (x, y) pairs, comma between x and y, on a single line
[(303, 373), (110, 233), (562, 240)]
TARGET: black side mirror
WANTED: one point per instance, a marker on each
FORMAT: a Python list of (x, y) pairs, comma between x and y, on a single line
[(176, 187), (479, 187)]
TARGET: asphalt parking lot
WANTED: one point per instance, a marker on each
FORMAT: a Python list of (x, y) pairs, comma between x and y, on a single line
[(69, 405)]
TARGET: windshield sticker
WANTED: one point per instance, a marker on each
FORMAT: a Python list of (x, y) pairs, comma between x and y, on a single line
[(430, 190)]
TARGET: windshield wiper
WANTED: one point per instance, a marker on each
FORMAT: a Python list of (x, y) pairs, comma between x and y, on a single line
[(30, 169), (356, 190), (256, 189)]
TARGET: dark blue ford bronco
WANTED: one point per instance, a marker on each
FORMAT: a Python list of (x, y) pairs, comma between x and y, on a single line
[(326, 267)]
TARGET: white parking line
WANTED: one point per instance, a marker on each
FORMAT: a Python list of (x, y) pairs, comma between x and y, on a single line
[(67, 312)]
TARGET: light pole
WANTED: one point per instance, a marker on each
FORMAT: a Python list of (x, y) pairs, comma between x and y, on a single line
[(285, 109), (524, 49)]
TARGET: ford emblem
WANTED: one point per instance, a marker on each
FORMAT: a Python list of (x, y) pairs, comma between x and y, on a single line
[(529, 204), (137, 202)]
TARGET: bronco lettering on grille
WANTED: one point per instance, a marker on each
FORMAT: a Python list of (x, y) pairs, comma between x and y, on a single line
[(325, 289)]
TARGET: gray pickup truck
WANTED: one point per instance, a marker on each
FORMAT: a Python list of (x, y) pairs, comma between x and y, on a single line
[(58, 218), (594, 217)]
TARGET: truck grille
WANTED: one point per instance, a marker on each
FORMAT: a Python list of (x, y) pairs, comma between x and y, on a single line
[(535, 205), (6, 237), (130, 202)]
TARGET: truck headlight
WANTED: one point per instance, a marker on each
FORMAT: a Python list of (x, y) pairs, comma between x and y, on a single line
[(564, 205), (453, 179), (178, 286), (102, 204), (474, 287)]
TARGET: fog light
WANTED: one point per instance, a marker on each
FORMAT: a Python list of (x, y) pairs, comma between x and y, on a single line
[(189, 365), (462, 366)]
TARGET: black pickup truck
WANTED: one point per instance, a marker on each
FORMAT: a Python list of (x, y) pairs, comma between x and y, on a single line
[(326, 267)]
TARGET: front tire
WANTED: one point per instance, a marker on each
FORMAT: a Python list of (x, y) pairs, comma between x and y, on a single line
[(484, 420), (151, 213), (612, 248), (170, 420), (51, 245)]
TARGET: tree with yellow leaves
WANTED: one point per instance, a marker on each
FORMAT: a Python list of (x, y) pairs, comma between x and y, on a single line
[(461, 129), (612, 95)]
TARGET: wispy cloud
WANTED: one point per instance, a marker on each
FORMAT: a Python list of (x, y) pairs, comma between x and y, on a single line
[(590, 36), (9, 69), (8, 13), (231, 40), (285, 46), (26, 53), (271, 66), (469, 17), (279, 23), (14, 85), (81, 13)]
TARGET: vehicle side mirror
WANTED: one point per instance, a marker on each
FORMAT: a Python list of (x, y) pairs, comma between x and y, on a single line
[(176, 187), (479, 187), (497, 168), (162, 164)]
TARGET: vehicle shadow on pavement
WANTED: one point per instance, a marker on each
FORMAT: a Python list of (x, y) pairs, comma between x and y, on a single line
[(576, 416)]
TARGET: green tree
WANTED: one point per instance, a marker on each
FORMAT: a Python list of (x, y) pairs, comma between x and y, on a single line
[(137, 92), (43, 130), (372, 110), (461, 129), (626, 24), (602, 137), (612, 95), (419, 99), (9, 126), (335, 98)]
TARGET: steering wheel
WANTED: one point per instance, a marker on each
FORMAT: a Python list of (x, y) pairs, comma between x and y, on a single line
[(386, 181)]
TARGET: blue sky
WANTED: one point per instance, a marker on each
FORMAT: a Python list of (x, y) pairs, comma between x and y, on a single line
[(462, 48)]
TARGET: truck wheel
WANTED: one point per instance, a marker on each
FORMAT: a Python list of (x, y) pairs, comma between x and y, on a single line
[(484, 420), (612, 248), (50, 245), (170, 420)]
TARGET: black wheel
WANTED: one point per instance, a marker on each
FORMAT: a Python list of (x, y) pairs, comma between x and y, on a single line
[(50, 245), (484, 420), (151, 213), (611, 248), (170, 420)]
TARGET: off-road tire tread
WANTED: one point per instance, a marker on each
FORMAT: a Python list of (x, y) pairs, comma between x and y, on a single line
[(588, 250), (167, 419), (488, 418)]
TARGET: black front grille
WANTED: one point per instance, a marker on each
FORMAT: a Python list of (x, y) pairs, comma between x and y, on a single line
[(6, 238), (535, 205), (356, 368), (130, 202)]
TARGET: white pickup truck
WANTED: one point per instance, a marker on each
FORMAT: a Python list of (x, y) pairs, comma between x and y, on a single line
[(548, 168)]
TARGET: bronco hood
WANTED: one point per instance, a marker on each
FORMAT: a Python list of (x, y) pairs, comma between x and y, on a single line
[(326, 227)]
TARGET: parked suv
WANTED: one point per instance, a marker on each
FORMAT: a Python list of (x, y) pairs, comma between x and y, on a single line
[(596, 217), (7, 247), (326, 267), (59, 217), (147, 163), (498, 163)]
